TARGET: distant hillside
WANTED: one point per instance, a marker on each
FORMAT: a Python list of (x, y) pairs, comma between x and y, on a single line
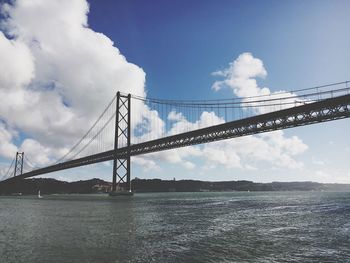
[(157, 185), (52, 186)]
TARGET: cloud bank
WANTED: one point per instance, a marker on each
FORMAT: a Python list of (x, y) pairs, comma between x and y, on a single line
[(272, 150), (57, 75)]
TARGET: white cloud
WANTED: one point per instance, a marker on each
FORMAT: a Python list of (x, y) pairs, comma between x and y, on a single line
[(317, 161), (37, 153), (189, 165), (240, 76), (147, 164), (56, 76), (149, 125), (337, 175), (221, 154), (4, 171), (181, 124), (175, 116), (247, 152), (179, 156), (17, 65), (7, 148)]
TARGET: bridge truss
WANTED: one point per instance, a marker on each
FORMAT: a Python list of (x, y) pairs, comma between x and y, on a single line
[(324, 110)]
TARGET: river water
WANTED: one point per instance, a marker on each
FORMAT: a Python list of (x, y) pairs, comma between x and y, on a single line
[(177, 227)]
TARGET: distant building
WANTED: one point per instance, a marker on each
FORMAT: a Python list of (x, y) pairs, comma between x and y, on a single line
[(102, 188)]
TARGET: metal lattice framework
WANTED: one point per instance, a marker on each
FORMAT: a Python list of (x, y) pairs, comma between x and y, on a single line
[(315, 112), (121, 164), (18, 164)]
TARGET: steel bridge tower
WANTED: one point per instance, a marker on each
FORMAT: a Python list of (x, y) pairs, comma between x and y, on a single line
[(19, 164), (122, 137)]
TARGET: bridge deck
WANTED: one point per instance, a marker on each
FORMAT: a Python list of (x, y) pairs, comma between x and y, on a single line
[(322, 111)]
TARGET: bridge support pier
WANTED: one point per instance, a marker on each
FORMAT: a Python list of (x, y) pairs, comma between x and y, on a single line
[(121, 166)]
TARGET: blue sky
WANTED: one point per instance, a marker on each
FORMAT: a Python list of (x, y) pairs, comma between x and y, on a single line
[(178, 44)]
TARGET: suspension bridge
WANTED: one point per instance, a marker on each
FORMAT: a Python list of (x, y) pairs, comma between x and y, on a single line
[(132, 125)]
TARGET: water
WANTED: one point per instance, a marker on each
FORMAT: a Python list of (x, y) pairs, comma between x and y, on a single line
[(177, 227)]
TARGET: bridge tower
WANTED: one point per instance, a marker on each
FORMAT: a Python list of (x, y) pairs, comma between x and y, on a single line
[(121, 166), (19, 164)]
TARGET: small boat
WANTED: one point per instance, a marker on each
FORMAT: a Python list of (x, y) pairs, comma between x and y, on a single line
[(39, 196)]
